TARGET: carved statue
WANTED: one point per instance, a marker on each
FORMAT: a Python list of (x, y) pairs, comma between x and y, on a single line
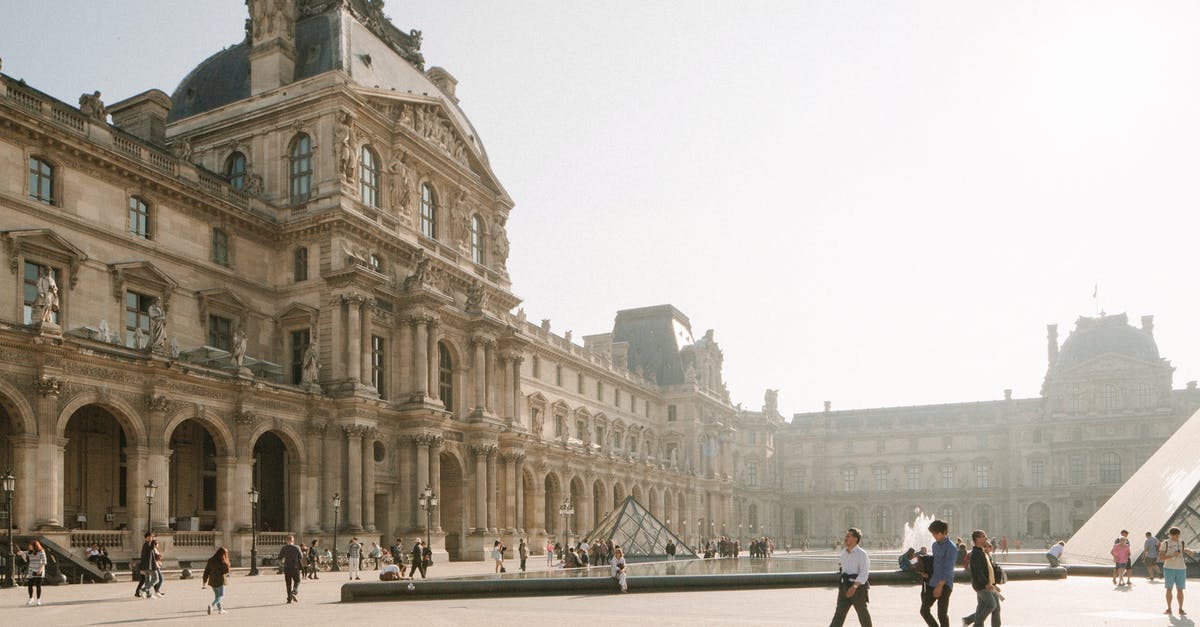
[(254, 182), (139, 339), (46, 302), (536, 426), (239, 349), (91, 106), (400, 186), (459, 222), (347, 156), (771, 402), (500, 244), (271, 18), (311, 365), (183, 149), (420, 273), (174, 348), (158, 326), (689, 375), (475, 297)]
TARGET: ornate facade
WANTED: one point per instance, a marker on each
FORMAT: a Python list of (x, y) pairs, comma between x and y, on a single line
[(291, 274)]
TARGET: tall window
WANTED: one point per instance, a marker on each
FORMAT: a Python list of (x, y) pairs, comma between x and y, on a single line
[(209, 473), (445, 377), (914, 477), (558, 378), (29, 290), (220, 332), (376, 263), (1110, 468), (300, 264), (137, 316), (477, 239), (671, 412), (947, 476), (752, 474), (378, 375), (1037, 473), (1110, 399), (798, 476), (41, 180), (881, 521), (368, 177), (139, 218), (848, 477), (599, 390), (300, 341), (428, 211), (235, 170), (881, 479), (983, 476), (301, 157), (1077, 470), (1142, 396), (220, 247)]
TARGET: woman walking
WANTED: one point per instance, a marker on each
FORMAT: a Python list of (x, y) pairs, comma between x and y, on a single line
[(216, 573), (37, 570)]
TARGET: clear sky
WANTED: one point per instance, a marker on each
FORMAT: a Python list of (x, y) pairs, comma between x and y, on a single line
[(873, 203)]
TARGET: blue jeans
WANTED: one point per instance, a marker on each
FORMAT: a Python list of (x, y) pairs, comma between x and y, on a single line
[(987, 603), (218, 596)]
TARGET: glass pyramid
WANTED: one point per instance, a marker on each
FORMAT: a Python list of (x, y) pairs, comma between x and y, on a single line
[(642, 536), (1163, 493)]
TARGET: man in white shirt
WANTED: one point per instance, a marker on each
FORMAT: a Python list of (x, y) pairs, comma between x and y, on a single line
[(854, 564)]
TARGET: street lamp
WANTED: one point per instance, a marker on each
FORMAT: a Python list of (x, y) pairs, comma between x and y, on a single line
[(428, 502), (151, 488), (337, 503), (566, 510), (253, 533), (9, 484)]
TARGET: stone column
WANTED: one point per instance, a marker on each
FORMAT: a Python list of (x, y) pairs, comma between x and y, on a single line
[(404, 365), (368, 481), (520, 469), (405, 459), (353, 338), (505, 384), (538, 524), (226, 520), (478, 365), (432, 356), (158, 465), (492, 488), (336, 345), (331, 477), (481, 487), (490, 374), (510, 491), (422, 441), (435, 478), (515, 395), (366, 350), (420, 379), (314, 483), (351, 501), (243, 478), (24, 462), (50, 462)]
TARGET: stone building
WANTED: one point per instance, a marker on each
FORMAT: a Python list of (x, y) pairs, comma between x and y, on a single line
[(290, 275), (1035, 467)]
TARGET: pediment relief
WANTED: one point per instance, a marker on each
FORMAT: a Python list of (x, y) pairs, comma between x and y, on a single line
[(430, 123), (583, 412), (296, 314), (142, 276), (536, 399), (223, 300), (1107, 365), (560, 407), (43, 243)]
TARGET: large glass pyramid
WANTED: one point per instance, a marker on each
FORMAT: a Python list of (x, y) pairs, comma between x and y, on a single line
[(1163, 493), (641, 535)]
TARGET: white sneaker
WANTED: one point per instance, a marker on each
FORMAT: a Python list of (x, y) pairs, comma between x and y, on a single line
[(29, 602), (222, 611), (37, 602)]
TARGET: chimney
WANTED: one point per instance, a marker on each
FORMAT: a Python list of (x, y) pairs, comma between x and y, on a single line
[(444, 81), (143, 115), (1008, 394), (1148, 325), (1052, 344), (828, 405), (271, 31)]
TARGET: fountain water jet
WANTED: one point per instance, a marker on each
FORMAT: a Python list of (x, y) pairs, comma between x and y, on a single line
[(916, 533)]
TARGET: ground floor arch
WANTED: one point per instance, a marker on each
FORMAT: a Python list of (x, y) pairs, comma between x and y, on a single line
[(193, 476), (451, 515), (96, 488), (1037, 519), (553, 499)]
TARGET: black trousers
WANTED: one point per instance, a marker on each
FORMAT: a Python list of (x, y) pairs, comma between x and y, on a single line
[(291, 579), (943, 606), (858, 601), (522, 563)]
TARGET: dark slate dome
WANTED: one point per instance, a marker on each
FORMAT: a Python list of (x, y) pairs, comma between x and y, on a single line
[(1094, 337)]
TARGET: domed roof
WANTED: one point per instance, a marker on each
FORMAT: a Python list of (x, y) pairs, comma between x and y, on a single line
[(1093, 337)]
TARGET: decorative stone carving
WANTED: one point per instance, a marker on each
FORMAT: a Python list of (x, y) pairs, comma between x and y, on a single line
[(771, 402), (428, 122), (500, 244), (183, 149), (310, 364), (271, 18), (158, 326), (421, 271), (536, 423), (401, 188), (460, 222), (46, 302), (347, 152), (157, 403), (475, 297), (47, 386), (238, 354), (91, 106), (483, 450)]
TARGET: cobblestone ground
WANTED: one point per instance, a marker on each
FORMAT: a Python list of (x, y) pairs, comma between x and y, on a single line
[(1078, 601)]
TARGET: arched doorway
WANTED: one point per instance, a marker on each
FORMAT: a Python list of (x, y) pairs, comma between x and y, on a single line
[(529, 514), (1037, 519), (554, 498), (752, 519), (450, 508), (638, 496), (577, 522), (193, 477), (95, 474), (599, 503), (271, 479), (618, 495), (7, 428)]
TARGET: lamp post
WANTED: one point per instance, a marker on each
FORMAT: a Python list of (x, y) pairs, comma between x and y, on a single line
[(151, 488), (337, 503), (253, 533), (9, 485), (428, 501), (566, 510)]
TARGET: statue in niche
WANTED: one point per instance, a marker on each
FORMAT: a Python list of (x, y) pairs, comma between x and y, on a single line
[(310, 364), (500, 243), (536, 426), (183, 149), (139, 339), (475, 297), (459, 222), (689, 375), (91, 106), (174, 348), (346, 154), (46, 302), (239, 349), (420, 273), (400, 185), (271, 18), (158, 325)]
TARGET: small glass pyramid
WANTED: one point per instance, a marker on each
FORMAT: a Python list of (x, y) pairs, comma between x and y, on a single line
[(642, 536)]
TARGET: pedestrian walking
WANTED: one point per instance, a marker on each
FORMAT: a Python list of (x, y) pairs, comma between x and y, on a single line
[(376, 555), (418, 561), (854, 565), (1150, 556), (157, 572), (523, 553), (292, 561), (36, 571), (549, 552), (148, 565), (670, 550), (1172, 551), (354, 557), (1120, 553), (941, 578), (618, 569), (397, 552), (314, 559), (984, 582), (426, 558), (216, 574)]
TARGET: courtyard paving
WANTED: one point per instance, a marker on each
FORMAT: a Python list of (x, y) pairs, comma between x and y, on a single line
[(1076, 601)]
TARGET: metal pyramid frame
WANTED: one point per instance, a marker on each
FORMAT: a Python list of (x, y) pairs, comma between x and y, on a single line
[(640, 535)]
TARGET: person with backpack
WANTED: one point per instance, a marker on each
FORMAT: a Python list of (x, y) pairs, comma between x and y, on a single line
[(1174, 567), (216, 574)]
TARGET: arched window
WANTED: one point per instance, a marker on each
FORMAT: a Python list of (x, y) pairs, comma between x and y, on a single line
[(880, 519), (139, 218), (41, 180), (445, 377), (477, 239), (301, 156), (1143, 396), (235, 170), (376, 263), (1110, 468), (428, 211), (368, 177), (1111, 399)]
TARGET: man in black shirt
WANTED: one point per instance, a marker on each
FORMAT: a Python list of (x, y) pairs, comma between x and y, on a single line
[(292, 561)]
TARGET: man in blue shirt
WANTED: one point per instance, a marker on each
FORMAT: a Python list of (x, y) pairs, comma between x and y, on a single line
[(941, 582)]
